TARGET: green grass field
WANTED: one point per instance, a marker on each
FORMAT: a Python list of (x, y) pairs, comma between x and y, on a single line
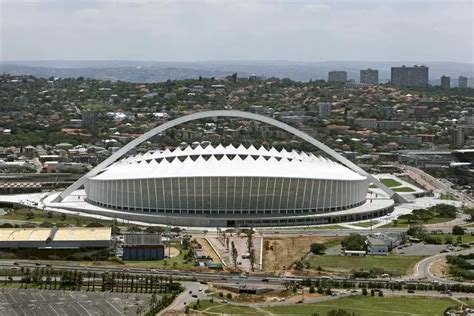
[(390, 182), (359, 305), (371, 306), (399, 264)]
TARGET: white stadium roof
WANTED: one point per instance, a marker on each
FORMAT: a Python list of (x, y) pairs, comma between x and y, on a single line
[(227, 161)]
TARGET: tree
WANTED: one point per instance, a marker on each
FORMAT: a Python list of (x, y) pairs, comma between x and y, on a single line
[(354, 242), (417, 232), (364, 291), (458, 230), (235, 254), (252, 259), (312, 289), (62, 217), (134, 229), (318, 249)]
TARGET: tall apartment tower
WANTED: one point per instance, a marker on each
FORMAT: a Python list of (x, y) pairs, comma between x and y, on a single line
[(337, 76), (89, 119), (369, 76), (416, 76), (445, 82), (462, 82)]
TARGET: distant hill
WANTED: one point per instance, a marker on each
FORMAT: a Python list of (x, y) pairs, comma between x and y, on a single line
[(149, 71)]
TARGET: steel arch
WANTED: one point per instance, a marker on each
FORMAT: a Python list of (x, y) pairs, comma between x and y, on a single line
[(221, 113)]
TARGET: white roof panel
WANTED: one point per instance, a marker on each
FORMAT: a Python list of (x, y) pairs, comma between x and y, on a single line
[(243, 164)]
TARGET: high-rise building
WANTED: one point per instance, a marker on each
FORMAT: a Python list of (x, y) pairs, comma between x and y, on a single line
[(369, 76), (445, 82), (324, 109), (416, 76), (462, 82), (337, 76), (89, 119)]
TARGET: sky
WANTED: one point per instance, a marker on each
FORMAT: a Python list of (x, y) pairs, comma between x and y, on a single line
[(212, 30)]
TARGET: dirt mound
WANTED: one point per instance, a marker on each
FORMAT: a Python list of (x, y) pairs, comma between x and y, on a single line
[(281, 252)]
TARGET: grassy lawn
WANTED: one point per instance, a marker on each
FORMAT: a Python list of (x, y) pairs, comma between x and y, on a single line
[(371, 306), (219, 308), (400, 264), (390, 182), (405, 223), (465, 237), (410, 180), (365, 224), (403, 189), (468, 301), (447, 196), (40, 216)]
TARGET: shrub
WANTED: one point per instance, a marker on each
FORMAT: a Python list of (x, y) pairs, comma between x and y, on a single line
[(318, 249), (458, 230)]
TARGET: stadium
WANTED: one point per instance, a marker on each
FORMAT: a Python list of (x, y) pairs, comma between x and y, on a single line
[(227, 186)]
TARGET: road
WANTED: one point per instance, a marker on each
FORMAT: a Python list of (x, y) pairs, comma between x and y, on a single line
[(440, 185), (193, 291), (422, 268)]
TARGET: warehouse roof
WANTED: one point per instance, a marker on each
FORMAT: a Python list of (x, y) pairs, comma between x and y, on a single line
[(24, 234), (142, 239), (56, 234), (80, 233)]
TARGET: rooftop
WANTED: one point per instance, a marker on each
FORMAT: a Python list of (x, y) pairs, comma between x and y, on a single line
[(227, 161), (57, 234)]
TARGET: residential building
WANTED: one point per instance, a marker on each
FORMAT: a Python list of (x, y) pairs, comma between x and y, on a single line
[(389, 125), (369, 76), (337, 76), (462, 82), (324, 109), (445, 82), (366, 123), (416, 76)]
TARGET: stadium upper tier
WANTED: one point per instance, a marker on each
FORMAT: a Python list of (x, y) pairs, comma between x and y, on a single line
[(227, 161)]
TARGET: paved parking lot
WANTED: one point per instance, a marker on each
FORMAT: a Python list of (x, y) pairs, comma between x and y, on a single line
[(420, 249), (43, 302)]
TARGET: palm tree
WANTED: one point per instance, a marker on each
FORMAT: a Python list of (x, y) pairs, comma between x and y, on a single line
[(93, 281)]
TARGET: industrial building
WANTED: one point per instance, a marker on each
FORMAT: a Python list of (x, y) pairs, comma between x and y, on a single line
[(141, 246), (59, 238)]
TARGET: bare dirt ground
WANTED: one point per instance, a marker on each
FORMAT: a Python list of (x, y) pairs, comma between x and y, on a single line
[(440, 268), (281, 252), (173, 252), (208, 250)]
